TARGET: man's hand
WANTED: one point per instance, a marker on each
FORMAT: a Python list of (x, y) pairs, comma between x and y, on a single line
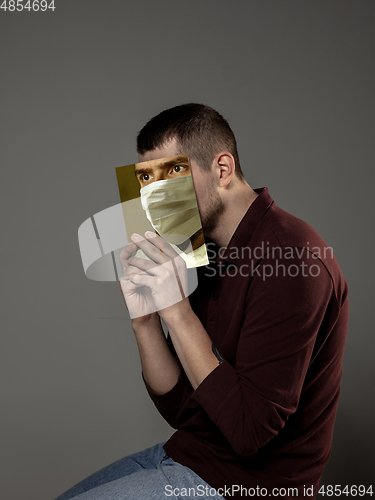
[(155, 284), (137, 298)]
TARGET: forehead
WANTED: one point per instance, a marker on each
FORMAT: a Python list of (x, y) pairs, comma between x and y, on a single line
[(160, 163), (165, 151)]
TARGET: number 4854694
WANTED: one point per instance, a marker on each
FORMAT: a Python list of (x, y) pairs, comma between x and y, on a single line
[(35, 5), (351, 491)]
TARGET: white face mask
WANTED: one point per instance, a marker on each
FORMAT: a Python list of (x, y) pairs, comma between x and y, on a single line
[(171, 207)]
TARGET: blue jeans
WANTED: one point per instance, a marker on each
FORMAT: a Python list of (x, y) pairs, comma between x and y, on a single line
[(147, 475)]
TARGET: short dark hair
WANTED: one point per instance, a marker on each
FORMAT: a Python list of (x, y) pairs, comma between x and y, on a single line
[(200, 131)]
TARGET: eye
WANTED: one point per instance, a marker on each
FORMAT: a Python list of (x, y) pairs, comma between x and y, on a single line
[(178, 168), (145, 177)]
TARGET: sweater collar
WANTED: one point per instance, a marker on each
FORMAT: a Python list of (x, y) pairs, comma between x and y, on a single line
[(246, 227)]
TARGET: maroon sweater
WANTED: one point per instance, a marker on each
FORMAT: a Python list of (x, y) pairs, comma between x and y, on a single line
[(276, 308)]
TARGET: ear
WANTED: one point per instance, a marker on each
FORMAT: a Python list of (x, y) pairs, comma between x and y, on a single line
[(225, 167)]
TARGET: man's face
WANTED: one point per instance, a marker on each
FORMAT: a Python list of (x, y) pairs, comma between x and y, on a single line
[(209, 202)]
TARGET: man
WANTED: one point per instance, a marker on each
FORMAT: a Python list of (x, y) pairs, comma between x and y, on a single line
[(250, 372)]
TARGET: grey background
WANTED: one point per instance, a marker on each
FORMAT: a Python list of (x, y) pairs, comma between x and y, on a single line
[(294, 79)]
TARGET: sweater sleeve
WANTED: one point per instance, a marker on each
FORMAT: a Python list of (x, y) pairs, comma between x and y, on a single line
[(251, 401), (168, 404)]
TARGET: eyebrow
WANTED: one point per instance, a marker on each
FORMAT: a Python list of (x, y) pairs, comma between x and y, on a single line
[(170, 163), (139, 171)]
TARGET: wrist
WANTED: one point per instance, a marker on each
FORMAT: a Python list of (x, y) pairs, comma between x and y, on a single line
[(177, 313), (145, 322)]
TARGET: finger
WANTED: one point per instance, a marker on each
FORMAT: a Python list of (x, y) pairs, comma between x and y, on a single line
[(142, 280), (126, 253), (156, 283), (152, 251), (155, 247), (143, 264), (128, 285), (162, 271), (132, 270), (158, 276), (161, 244)]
